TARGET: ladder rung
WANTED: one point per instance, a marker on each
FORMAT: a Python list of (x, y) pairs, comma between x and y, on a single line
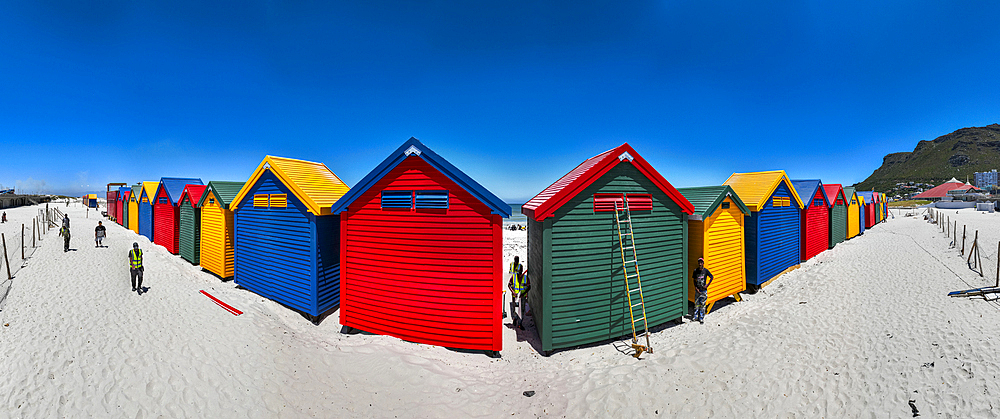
[(638, 320), (637, 304), (634, 290), (631, 276), (629, 261)]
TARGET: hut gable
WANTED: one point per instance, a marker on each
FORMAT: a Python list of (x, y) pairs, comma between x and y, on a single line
[(561, 191), (222, 192), (312, 183), (173, 187), (810, 191), (414, 149), (835, 191), (757, 188), (192, 195), (706, 200)]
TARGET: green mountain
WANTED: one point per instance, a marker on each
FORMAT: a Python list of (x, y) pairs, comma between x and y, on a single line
[(958, 155)]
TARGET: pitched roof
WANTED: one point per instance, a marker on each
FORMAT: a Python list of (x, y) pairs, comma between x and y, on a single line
[(136, 191), (413, 147), (121, 190), (149, 190), (849, 191), (868, 195), (706, 199), (941, 190), (834, 189), (807, 188), (558, 193), (174, 186), (223, 191), (312, 183), (756, 187), (193, 193)]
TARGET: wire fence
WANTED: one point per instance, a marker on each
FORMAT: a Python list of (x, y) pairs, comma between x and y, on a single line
[(17, 250)]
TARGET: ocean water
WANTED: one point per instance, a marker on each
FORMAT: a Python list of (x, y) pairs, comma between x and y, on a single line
[(515, 215)]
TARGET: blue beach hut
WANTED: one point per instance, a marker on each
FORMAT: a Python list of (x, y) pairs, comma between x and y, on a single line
[(287, 242), (146, 209)]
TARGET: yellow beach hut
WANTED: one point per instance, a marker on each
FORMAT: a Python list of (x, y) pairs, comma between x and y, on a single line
[(217, 227), (853, 212), (716, 233), (133, 208)]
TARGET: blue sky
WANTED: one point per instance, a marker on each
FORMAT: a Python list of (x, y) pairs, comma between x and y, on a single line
[(514, 93)]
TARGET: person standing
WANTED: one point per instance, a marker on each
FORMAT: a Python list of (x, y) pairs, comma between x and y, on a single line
[(4, 219), (99, 234), (64, 232), (135, 267), (518, 286), (66, 221), (701, 289)]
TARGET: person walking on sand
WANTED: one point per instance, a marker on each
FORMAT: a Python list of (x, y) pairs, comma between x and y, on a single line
[(135, 267), (64, 232), (4, 219), (518, 286), (66, 221), (701, 288), (99, 234)]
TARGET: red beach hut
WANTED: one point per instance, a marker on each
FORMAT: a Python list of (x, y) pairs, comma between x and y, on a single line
[(166, 212), (815, 218), (421, 253)]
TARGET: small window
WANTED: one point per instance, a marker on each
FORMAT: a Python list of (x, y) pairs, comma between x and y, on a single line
[(725, 205), (145, 199), (397, 199), (818, 202), (607, 202), (431, 199), (639, 202), (163, 200), (260, 200), (211, 200), (776, 202), (839, 201), (279, 200)]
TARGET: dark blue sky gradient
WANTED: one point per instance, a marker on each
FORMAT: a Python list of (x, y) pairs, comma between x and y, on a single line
[(513, 93)]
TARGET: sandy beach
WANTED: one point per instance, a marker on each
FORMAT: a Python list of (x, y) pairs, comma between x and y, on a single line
[(859, 331)]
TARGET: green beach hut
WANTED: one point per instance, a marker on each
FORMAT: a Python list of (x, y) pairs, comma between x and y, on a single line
[(575, 260), (189, 223)]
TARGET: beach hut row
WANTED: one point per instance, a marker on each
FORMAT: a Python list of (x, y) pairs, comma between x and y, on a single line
[(414, 249)]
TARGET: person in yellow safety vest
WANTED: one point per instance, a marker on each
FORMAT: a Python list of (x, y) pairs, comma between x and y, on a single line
[(135, 267), (518, 286)]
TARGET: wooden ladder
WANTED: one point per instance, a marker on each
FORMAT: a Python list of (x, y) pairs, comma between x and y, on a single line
[(630, 269)]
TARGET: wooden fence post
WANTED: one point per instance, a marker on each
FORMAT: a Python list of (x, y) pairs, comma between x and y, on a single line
[(5, 259), (963, 240), (998, 266), (22, 241)]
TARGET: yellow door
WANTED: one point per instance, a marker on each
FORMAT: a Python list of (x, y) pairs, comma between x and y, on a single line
[(216, 238), (853, 219), (133, 215)]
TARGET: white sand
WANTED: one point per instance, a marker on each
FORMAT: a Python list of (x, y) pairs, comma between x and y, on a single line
[(852, 333)]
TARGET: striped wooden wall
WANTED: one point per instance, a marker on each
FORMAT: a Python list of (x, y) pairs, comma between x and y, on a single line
[(772, 239), (424, 275), (719, 240), (815, 228), (217, 237), (189, 229), (165, 222)]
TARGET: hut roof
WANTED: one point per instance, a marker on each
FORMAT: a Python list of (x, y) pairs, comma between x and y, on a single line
[(193, 193), (941, 190), (413, 147), (807, 188), (136, 191), (834, 189), (551, 198), (175, 187), (149, 190), (756, 187), (223, 191), (706, 199), (869, 196), (313, 183)]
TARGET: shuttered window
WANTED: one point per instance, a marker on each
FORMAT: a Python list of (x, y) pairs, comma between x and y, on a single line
[(397, 199), (431, 200), (839, 201), (725, 205), (779, 201), (640, 202), (260, 200), (818, 202), (606, 202), (163, 200), (211, 200), (279, 200)]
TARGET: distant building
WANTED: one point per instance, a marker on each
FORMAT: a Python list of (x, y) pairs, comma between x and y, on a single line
[(986, 180), (941, 191)]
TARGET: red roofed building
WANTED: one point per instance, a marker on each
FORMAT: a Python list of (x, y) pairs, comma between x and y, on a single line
[(941, 191)]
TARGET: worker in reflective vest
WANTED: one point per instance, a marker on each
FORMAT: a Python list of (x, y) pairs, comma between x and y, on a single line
[(135, 266), (518, 286)]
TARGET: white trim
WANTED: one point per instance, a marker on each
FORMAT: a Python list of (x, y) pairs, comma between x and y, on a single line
[(413, 150), (625, 156)]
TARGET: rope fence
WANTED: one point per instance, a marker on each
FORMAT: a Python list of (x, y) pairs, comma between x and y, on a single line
[(18, 248)]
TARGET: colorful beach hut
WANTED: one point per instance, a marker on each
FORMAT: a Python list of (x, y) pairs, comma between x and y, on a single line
[(287, 242), (578, 291), (773, 230), (166, 212), (815, 218), (422, 253), (133, 208), (146, 219), (853, 212), (716, 233), (189, 223), (217, 232), (90, 200), (838, 212), (861, 213), (869, 211), (124, 195)]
